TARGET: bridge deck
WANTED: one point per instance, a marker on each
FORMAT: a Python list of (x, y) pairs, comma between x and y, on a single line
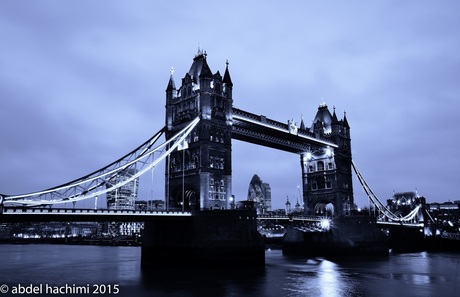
[(267, 132), (70, 214)]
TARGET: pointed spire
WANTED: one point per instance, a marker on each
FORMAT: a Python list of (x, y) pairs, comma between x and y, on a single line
[(227, 80), (287, 201), (334, 117), (302, 124), (205, 70), (171, 84), (199, 52), (345, 122), (323, 103)]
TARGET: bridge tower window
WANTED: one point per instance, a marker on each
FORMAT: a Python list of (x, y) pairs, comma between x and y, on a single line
[(321, 182), (320, 166), (314, 185)]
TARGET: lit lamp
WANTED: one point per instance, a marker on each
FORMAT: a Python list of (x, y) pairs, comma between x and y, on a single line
[(232, 202)]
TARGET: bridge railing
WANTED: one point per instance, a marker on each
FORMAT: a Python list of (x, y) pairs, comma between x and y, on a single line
[(291, 218), (38, 211)]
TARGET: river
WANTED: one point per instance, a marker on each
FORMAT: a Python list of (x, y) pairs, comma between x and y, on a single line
[(115, 271)]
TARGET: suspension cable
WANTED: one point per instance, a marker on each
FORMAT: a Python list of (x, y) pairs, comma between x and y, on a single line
[(376, 201), (100, 181)]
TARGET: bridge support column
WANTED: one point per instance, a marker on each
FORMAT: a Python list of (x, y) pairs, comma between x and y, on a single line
[(207, 239)]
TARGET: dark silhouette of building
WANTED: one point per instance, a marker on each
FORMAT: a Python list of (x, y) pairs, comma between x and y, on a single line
[(199, 176)]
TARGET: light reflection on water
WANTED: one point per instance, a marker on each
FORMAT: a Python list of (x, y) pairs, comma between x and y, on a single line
[(415, 274)]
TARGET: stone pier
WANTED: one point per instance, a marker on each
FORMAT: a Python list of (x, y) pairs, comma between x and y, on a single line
[(226, 238)]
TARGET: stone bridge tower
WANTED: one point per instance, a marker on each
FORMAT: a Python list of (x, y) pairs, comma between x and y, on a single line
[(326, 172), (198, 177)]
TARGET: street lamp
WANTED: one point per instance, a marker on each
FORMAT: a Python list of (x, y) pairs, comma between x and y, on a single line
[(232, 202)]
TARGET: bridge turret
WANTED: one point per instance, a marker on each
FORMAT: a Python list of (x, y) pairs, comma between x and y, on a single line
[(228, 85), (321, 124), (346, 127), (171, 94), (201, 174), (326, 172), (335, 124)]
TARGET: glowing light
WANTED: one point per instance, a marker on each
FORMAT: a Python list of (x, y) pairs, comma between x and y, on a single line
[(328, 152), (309, 156), (325, 224)]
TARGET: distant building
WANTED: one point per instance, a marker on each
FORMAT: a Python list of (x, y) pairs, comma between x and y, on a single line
[(446, 212), (297, 207), (125, 196), (404, 202), (260, 193), (155, 205), (288, 206)]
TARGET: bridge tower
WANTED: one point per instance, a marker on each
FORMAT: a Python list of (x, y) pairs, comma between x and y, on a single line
[(198, 177), (326, 172)]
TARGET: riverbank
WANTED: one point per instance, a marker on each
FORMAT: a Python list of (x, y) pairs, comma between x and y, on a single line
[(116, 241)]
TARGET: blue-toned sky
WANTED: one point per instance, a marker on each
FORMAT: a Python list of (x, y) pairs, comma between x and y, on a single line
[(83, 83)]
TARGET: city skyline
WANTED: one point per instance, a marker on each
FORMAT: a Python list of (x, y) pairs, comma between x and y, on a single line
[(83, 84)]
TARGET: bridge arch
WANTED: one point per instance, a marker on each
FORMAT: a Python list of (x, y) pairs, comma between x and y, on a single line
[(324, 209), (190, 197)]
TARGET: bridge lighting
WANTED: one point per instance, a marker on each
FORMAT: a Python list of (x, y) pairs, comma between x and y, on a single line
[(325, 224), (328, 152), (232, 201), (309, 156)]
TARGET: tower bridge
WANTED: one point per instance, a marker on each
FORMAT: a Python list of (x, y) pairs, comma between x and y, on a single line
[(199, 177), (200, 124)]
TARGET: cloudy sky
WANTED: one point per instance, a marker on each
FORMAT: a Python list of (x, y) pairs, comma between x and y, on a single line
[(83, 83)]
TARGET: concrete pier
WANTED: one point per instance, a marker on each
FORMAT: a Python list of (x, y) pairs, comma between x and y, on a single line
[(227, 238), (347, 236)]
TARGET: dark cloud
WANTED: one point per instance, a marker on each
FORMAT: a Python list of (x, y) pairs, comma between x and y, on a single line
[(82, 83)]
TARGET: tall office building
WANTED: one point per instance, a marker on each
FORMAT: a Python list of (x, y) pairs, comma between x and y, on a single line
[(125, 196), (261, 194)]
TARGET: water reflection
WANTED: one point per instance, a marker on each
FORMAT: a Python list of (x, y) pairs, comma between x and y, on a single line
[(329, 279), (417, 274), (203, 282)]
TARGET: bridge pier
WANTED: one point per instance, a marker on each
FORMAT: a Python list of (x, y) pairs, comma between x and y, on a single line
[(406, 239), (218, 239), (347, 236)]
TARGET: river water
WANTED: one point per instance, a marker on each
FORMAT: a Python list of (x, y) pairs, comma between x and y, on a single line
[(115, 271)]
